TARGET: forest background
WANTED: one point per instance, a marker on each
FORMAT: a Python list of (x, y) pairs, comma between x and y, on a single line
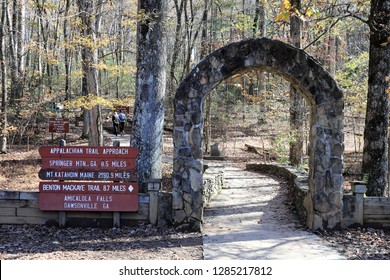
[(81, 56)]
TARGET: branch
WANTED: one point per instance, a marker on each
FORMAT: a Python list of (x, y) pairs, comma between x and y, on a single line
[(326, 31), (352, 14), (116, 51)]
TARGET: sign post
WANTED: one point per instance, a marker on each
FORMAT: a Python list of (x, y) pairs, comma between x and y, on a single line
[(58, 125), (88, 196), (89, 179), (125, 109)]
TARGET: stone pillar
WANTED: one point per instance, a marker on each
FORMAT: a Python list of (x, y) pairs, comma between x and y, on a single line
[(326, 167), (187, 203)]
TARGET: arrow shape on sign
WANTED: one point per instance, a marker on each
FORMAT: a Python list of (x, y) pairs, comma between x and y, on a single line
[(130, 188)]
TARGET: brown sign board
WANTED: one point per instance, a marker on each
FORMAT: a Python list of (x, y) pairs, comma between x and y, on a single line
[(59, 125), (88, 163), (124, 109), (115, 167), (88, 196), (83, 152), (88, 175), (102, 188), (88, 202)]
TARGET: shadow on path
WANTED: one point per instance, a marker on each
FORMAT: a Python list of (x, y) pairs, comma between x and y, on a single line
[(251, 220)]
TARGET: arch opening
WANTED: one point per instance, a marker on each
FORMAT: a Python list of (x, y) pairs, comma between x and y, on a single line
[(324, 201)]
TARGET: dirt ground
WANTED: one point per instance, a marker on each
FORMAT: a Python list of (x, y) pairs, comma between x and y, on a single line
[(144, 242), (19, 171)]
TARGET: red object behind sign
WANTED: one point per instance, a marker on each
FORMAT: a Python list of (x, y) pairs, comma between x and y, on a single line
[(88, 202), (123, 109)]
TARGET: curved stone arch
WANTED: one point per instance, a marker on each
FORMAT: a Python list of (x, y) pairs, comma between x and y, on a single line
[(324, 201)]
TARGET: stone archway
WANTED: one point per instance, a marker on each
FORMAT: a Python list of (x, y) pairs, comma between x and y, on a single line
[(324, 201)]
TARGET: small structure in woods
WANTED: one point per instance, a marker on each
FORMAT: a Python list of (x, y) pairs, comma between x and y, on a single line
[(324, 201)]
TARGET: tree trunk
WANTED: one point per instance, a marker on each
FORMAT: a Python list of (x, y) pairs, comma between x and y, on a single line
[(191, 35), (175, 53), (45, 40), (90, 76), (375, 161), (150, 89), (332, 54), (67, 52), (16, 86), (296, 99), (260, 30), (205, 49), (4, 101)]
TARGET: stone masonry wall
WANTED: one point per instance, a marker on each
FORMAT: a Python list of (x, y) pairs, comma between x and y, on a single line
[(213, 182), (326, 122), (299, 184)]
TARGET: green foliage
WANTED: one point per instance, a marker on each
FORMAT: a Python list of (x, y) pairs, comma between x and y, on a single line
[(365, 178), (284, 11), (224, 102), (352, 78), (280, 146), (243, 23), (90, 101)]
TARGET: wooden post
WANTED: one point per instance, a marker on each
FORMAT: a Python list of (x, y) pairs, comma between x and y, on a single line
[(61, 219), (62, 142), (154, 186), (116, 216), (62, 214), (359, 189), (116, 143)]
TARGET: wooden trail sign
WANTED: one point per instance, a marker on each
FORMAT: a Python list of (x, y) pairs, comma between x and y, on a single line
[(96, 163), (59, 125), (89, 174), (114, 166), (88, 196), (82, 152), (124, 109), (88, 202), (89, 187)]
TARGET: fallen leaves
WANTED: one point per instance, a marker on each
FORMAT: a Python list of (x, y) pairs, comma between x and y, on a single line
[(361, 243), (33, 242)]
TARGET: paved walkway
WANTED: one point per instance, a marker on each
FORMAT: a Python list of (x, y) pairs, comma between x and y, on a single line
[(249, 220)]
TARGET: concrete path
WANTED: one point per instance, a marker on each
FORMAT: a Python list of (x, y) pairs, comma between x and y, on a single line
[(249, 220)]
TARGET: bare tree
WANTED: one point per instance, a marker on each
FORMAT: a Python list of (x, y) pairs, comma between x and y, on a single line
[(67, 51), (173, 81), (296, 100), (4, 101), (89, 60), (375, 151), (150, 83), (15, 45)]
